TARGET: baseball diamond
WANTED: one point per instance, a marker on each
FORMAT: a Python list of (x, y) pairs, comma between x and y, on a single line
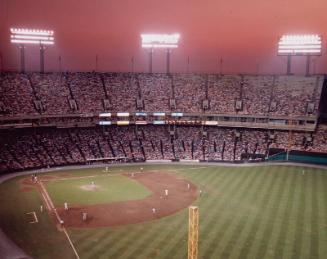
[(272, 211)]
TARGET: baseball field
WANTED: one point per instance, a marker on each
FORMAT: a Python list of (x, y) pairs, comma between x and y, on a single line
[(140, 211)]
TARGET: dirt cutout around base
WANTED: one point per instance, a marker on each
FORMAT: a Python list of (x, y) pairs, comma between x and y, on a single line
[(181, 194)]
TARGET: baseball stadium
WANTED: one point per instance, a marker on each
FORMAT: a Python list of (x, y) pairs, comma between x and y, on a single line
[(163, 129)]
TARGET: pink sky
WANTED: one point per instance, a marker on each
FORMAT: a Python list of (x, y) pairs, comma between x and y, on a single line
[(243, 32)]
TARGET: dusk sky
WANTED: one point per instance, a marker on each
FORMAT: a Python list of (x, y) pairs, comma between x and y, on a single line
[(242, 32)]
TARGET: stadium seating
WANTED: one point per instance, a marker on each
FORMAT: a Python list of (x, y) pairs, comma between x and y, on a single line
[(27, 148), (93, 93), (54, 93)]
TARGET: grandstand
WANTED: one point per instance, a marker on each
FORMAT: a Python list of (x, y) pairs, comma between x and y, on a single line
[(220, 118), (51, 120)]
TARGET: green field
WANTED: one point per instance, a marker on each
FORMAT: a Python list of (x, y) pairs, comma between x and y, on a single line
[(109, 189), (245, 212)]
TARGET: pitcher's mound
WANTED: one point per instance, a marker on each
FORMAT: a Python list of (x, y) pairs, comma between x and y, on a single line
[(90, 187)]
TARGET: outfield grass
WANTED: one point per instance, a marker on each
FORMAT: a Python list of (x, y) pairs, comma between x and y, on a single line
[(111, 188), (246, 212)]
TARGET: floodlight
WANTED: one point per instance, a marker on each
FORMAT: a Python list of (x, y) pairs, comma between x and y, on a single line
[(28, 36), (31, 36), (300, 45), (160, 40)]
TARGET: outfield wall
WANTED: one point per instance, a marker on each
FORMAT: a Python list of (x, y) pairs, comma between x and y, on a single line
[(300, 157)]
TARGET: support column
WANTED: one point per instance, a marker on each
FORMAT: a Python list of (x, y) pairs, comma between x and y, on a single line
[(59, 64), (1, 63), (42, 50), (96, 63), (221, 66), (168, 61), (132, 63), (307, 67), (22, 58), (289, 61), (150, 60), (188, 65)]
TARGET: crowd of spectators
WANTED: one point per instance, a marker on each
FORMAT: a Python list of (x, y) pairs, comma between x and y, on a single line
[(223, 91), (122, 90), (16, 94), (189, 92), (130, 92), (51, 89), (257, 91), (43, 147), (156, 91), (87, 90), (293, 94)]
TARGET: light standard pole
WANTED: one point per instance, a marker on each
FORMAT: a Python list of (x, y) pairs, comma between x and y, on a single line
[(32, 37)]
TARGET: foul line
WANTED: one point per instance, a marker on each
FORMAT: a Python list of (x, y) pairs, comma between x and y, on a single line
[(50, 206)]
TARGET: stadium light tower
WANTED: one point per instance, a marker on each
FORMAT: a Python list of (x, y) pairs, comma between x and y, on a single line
[(33, 37), (299, 45), (160, 41)]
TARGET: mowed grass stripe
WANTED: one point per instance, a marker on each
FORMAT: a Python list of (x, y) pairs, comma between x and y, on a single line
[(261, 203), (323, 236), (210, 209), (275, 220), (87, 249), (248, 199), (306, 234), (146, 242), (143, 241), (314, 217), (155, 247), (116, 235), (116, 250), (269, 216), (222, 217), (130, 239), (224, 214), (118, 243), (288, 246), (79, 236), (300, 219), (241, 237), (106, 238), (247, 236), (285, 219)]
